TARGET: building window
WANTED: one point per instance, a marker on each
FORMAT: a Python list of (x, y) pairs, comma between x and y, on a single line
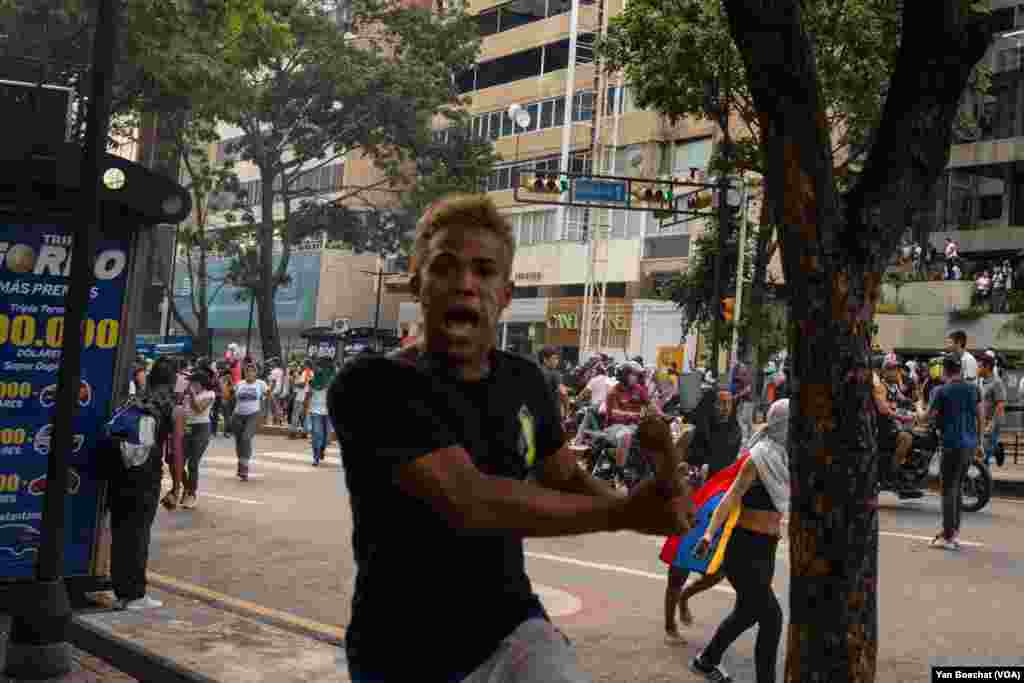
[(689, 154), (990, 207), (525, 292), (675, 246), (583, 106)]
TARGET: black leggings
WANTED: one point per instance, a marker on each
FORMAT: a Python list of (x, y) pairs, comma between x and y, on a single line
[(749, 565)]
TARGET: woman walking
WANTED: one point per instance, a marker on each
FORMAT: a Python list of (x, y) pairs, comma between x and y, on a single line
[(762, 489), (199, 398), (316, 407), (250, 400)]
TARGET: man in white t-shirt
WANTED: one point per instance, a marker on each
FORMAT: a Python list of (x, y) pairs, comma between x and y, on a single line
[(956, 342), (277, 386), (597, 390)]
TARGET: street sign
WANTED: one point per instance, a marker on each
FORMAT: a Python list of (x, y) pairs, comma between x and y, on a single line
[(586, 190)]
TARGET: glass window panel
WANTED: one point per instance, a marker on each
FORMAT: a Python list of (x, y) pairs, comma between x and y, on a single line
[(520, 13), (465, 80), (488, 22), (504, 175), (556, 56), (560, 111), (549, 226), (558, 7), (494, 126), (547, 114), (506, 124), (513, 67), (534, 111)]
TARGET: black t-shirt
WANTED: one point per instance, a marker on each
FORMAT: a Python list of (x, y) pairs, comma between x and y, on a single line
[(429, 598)]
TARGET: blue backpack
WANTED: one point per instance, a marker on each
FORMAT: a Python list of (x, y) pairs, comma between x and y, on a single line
[(134, 432)]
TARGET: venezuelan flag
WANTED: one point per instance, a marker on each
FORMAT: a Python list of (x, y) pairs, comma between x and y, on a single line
[(678, 550)]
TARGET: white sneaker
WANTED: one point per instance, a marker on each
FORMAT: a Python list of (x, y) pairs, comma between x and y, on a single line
[(145, 602)]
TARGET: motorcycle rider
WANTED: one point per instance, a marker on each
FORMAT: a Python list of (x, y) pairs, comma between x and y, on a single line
[(993, 404), (596, 392), (894, 435), (626, 401)]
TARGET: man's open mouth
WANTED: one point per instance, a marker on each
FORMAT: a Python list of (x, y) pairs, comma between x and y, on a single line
[(461, 320)]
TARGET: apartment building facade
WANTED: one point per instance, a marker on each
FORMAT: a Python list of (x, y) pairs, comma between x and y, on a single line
[(978, 202), (525, 60)]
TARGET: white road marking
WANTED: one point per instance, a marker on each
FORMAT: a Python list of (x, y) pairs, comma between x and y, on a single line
[(227, 474), (557, 603), (974, 544), (613, 568), (287, 455), (257, 463), (231, 499)]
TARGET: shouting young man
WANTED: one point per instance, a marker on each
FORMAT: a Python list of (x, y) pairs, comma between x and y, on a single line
[(447, 482)]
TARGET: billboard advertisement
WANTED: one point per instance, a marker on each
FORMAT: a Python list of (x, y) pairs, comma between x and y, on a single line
[(294, 303), (35, 264)]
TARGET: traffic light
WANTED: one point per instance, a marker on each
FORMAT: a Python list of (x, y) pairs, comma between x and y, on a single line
[(699, 200), (728, 304), (661, 196), (544, 183)]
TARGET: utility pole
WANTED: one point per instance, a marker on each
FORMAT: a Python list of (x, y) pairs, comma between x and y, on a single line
[(379, 274), (248, 332)]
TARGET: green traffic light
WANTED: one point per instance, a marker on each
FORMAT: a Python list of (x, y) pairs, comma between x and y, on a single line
[(564, 185)]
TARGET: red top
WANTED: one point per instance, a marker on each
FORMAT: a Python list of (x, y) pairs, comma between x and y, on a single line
[(634, 399)]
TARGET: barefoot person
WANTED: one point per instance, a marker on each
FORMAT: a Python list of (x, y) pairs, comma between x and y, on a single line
[(467, 464)]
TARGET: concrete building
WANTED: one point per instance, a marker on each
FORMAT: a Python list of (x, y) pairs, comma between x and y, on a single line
[(979, 203), (526, 60)]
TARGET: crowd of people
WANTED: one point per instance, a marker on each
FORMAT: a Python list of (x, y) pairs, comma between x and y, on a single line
[(478, 460)]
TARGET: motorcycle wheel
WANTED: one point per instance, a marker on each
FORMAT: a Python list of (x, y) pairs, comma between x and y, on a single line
[(976, 490), (604, 464)]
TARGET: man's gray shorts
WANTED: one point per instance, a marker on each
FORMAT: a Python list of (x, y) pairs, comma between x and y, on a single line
[(536, 652)]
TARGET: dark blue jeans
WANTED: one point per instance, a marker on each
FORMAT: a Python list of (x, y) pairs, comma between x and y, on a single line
[(319, 428)]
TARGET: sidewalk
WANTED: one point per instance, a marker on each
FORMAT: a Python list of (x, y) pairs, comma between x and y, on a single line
[(190, 641), (216, 644)]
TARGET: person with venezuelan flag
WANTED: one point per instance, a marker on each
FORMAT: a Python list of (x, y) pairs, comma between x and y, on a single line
[(741, 538)]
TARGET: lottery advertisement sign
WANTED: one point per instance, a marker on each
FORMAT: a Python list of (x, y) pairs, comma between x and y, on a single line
[(35, 268)]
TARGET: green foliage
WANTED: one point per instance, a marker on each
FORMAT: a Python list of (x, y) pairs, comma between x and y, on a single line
[(669, 52), (692, 290)]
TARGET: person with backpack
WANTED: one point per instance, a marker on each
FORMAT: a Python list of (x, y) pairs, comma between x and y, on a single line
[(143, 429)]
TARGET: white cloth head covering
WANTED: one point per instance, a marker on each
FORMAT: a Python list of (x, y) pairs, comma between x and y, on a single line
[(769, 453)]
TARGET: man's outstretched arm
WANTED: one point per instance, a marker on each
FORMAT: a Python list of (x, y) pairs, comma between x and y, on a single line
[(473, 501)]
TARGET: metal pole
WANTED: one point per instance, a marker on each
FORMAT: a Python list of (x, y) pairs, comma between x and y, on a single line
[(38, 647), (248, 333), (716, 293), (169, 292), (570, 95), (376, 317), (739, 272)]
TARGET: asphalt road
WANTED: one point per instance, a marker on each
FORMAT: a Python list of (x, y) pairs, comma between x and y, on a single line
[(281, 541)]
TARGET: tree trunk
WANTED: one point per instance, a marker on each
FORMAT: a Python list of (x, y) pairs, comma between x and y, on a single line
[(833, 251), (269, 338)]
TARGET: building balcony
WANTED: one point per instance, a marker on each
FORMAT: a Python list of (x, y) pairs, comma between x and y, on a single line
[(981, 240)]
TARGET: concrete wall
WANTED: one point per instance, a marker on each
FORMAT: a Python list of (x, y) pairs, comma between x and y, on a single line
[(930, 298), (929, 332), (984, 239), (655, 323), (563, 263), (345, 291)]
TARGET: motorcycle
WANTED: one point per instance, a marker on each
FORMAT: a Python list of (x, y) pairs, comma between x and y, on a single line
[(924, 463), (600, 462)]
